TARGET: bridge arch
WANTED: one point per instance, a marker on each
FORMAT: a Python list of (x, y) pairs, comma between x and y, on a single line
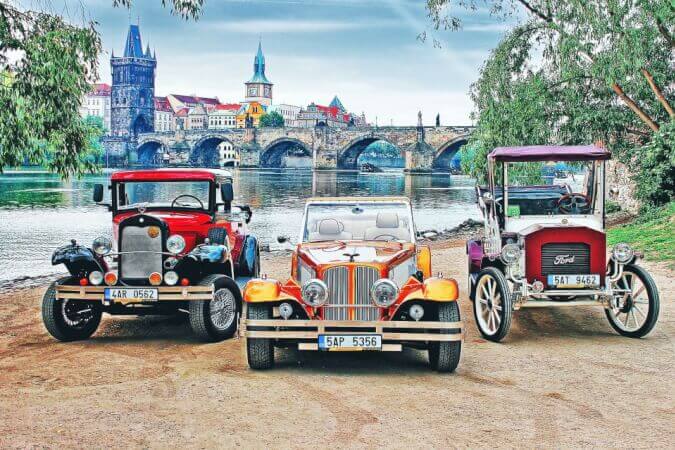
[(206, 152), (275, 153), (149, 153), (348, 157), (447, 151)]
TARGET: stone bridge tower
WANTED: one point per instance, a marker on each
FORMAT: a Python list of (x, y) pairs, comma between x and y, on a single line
[(133, 91)]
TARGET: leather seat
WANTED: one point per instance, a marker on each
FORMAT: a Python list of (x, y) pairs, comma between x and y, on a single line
[(387, 225), (329, 230)]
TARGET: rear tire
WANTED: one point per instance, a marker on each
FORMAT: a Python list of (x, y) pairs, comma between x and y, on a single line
[(216, 319), (492, 304), (259, 351), (444, 356), (641, 285), (69, 320)]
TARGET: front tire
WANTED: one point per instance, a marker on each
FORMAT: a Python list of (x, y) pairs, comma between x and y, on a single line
[(492, 306), (216, 319), (69, 320), (444, 356), (259, 351), (628, 316)]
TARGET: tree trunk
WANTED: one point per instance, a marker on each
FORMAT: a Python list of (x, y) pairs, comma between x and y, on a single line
[(658, 93), (635, 108)]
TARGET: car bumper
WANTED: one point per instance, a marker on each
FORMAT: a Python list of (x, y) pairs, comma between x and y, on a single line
[(164, 294), (563, 297), (306, 332)]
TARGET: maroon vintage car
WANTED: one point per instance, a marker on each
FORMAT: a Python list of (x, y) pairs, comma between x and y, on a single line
[(178, 246), (545, 242)]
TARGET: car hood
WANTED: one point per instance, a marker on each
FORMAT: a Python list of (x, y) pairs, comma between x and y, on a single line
[(176, 220), (321, 253)]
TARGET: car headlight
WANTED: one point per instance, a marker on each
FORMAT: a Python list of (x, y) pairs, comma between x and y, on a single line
[(510, 254), (305, 273), (101, 245), (175, 244), (402, 272), (315, 293), (95, 277), (622, 253), (171, 278), (384, 292)]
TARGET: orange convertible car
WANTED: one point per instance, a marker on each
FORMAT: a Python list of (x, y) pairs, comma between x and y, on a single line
[(358, 282)]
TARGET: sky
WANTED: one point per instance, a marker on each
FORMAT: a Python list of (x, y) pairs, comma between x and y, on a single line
[(364, 51)]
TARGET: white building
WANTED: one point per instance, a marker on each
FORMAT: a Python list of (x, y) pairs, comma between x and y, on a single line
[(223, 116), (97, 103), (164, 117), (229, 156), (288, 112)]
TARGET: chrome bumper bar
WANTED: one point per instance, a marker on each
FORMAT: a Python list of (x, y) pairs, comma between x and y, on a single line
[(397, 331), (164, 293)]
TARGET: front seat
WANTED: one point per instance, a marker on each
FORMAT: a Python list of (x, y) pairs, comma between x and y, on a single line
[(387, 225), (329, 230)]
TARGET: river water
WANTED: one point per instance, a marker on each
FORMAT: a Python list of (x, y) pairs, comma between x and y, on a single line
[(39, 212)]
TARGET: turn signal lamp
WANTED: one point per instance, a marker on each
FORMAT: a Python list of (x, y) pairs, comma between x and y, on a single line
[(84, 282), (110, 278), (184, 282), (155, 278), (96, 278)]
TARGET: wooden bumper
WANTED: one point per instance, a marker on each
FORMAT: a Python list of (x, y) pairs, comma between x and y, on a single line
[(165, 293), (390, 330)]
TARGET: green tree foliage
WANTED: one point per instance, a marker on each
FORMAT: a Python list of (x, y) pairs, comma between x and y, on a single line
[(272, 120), (576, 72), (657, 167), (47, 65)]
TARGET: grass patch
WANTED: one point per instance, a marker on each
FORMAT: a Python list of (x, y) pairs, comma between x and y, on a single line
[(652, 233)]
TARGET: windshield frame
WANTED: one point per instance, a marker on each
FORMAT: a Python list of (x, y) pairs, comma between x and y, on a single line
[(209, 208), (333, 202)]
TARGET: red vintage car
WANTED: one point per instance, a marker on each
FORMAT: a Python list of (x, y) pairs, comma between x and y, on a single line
[(178, 246), (359, 282), (545, 243)]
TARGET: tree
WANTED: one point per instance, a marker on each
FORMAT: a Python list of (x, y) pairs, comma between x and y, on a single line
[(574, 72), (271, 120), (47, 65)]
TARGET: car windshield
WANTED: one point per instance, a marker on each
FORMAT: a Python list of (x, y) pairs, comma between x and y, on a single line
[(163, 194), (362, 221), (550, 188)]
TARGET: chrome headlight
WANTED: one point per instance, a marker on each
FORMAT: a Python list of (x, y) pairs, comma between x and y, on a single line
[(401, 273), (384, 293), (95, 277), (315, 293), (305, 272), (101, 245), (171, 278), (510, 254), (175, 244), (622, 253)]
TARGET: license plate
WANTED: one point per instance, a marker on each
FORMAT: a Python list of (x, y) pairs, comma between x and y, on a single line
[(350, 342), (130, 294), (574, 281)]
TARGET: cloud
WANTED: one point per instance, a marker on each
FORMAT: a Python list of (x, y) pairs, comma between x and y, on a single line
[(266, 26), (487, 27)]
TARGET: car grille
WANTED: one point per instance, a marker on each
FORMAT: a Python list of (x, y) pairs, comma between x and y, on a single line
[(565, 259), (337, 280), (140, 263)]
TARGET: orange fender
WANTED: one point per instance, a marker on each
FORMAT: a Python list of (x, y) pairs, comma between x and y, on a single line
[(269, 290)]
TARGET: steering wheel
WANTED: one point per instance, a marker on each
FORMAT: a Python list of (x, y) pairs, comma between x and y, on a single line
[(574, 203), (388, 237), (173, 203)]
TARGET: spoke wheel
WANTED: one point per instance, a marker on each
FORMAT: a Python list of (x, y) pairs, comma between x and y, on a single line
[(69, 320), (492, 304), (223, 309), (216, 319), (635, 307)]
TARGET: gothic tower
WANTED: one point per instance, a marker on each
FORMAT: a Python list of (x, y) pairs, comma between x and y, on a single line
[(133, 89), (259, 88)]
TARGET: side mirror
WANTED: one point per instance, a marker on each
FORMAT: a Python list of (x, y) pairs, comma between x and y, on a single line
[(98, 193), (227, 192)]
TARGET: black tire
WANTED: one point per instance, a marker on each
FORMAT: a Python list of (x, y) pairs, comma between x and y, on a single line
[(202, 321), (259, 351), (54, 316), (654, 304), (217, 236), (502, 288), (444, 356)]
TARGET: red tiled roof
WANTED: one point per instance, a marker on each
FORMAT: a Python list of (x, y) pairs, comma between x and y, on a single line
[(100, 89), (228, 106), (195, 99), (331, 111), (162, 104), (183, 112)]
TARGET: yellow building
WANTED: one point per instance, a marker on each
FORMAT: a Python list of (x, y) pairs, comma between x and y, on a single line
[(251, 111)]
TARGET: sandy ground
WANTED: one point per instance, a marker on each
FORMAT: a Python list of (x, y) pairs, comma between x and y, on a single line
[(561, 378)]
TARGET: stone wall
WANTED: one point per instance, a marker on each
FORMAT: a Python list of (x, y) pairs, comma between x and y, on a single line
[(620, 186)]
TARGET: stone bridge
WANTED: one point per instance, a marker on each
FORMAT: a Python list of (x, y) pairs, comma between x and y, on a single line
[(424, 148)]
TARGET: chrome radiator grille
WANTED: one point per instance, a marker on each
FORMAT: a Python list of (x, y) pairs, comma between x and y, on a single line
[(338, 305), (139, 263), (565, 259)]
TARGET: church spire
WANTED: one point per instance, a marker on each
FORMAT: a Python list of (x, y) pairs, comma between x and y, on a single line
[(259, 67), (133, 47)]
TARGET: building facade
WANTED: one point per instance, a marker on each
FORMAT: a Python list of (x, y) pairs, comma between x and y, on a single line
[(97, 103), (259, 88), (249, 115), (228, 155), (288, 112), (224, 116), (133, 89), (164, 117)]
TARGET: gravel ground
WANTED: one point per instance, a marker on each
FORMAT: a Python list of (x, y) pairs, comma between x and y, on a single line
[(562, 378)]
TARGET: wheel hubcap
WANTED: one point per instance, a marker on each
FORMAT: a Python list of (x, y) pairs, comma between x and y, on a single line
[(488, 305), (76, 314), (630, 308), (222, 309)]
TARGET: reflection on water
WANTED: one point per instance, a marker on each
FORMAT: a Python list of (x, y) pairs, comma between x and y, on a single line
[(39, 212)]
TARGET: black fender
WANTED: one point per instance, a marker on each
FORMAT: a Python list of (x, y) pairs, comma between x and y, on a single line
[(245, 266), (79, 260)]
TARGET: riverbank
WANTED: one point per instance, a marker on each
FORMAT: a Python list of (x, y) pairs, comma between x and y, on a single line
[(559, 377)]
